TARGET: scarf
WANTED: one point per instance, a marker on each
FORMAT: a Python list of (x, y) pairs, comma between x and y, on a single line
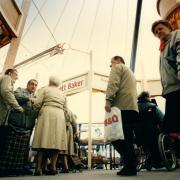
[(162, 45)]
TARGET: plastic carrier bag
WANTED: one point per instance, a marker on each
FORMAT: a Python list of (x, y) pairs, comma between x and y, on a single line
[(113, 125)]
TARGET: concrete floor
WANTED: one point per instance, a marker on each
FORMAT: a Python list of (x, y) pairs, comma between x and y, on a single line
[(104, 175)]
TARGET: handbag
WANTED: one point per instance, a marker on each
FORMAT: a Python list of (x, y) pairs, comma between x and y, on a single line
[(113, 129), (17, 119), (4, 130)]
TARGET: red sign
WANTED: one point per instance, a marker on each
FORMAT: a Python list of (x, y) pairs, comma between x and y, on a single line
[(109, 121), (71, 85), (75, 84)]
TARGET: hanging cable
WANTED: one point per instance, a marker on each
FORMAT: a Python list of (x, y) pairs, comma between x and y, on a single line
[(27, 49), (44, 22), (32, 22), (94, 21), (74, 29), (110, 28), (77, 21), (127, 27), (30, 64), (22, 3), (60, 16), (2, 64)]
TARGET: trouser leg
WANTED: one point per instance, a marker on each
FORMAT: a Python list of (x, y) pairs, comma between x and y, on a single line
[(126, 150)]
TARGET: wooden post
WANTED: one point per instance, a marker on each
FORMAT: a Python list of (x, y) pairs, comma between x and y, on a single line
[(13, 48)]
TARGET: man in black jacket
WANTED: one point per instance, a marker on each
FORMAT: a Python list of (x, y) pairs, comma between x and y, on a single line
[(24, 122)]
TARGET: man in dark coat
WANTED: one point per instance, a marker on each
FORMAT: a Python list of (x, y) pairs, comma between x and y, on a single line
[(24, 96), (151, 119)]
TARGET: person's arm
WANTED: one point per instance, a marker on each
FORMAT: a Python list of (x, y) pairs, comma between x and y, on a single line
[(113, 87), (38, 101), (20, 96), (8, 95), (176, 50), (178, 59), (65, 109), (159, 116), (74, 124)]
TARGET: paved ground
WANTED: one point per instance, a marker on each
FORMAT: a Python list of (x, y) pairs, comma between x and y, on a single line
[(104, 175)]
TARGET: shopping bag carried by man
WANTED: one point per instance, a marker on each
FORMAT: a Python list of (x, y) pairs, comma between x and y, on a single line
[(113, 125)]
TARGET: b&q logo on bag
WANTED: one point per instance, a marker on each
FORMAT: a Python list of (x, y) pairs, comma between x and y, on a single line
[(111, 120)]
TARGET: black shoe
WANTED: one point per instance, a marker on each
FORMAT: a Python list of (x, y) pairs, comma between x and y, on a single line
[(37, 173), (51, 172), (119, 173), (126, 171), (157, 165), (45, 171), (27, 172), (65, 171)]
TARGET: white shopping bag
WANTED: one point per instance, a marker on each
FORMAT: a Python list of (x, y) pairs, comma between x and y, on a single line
[(113, 125)]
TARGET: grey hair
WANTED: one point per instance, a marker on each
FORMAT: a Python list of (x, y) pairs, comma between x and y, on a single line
[(54, 80)]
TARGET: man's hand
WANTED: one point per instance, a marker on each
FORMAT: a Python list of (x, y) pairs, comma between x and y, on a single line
[(178, 73), (19, 109), (107, 106), (31, 100)]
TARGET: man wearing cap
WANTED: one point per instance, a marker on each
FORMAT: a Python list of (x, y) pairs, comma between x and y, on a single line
[(169, 72)]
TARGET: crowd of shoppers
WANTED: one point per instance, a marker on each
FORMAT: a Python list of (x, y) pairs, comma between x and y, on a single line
[(55, 125), (47, 112)]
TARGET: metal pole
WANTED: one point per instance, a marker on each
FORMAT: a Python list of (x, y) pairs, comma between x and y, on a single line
[(90, 110), (135, 36), (58, 48)]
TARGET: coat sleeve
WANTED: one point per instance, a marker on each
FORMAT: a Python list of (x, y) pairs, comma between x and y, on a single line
[(7, 93), (66, 110), (175, 45), (113, 83), (20, 96), (177, 49), (159, 116), (71, 117), (74, 123), (38, 101)]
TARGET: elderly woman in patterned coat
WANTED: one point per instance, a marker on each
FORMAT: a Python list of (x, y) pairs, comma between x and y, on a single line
[(50, 130)]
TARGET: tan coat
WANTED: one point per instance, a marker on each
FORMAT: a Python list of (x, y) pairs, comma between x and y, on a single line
[(71, 128), (50, 130), (7, 98), (121, 90)]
